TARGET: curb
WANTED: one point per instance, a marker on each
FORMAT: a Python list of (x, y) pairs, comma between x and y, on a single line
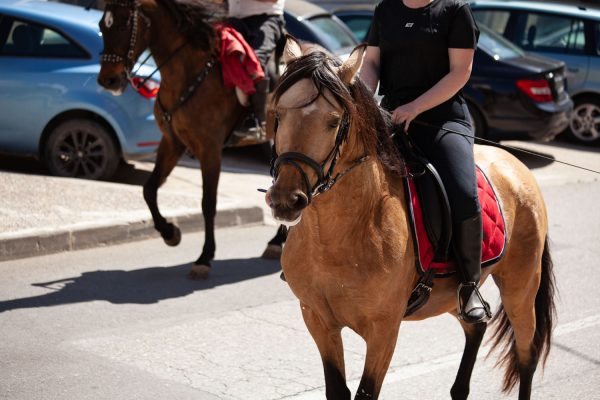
[(42, 242)]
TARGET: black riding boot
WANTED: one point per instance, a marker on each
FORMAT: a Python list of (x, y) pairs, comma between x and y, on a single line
[(467, 245), (255, 124)]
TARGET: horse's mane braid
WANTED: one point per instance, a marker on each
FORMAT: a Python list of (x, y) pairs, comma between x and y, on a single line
[(374, 125), (194, 20)]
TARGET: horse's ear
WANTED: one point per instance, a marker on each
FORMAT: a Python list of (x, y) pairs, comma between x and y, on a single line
[(292, 49), (350, 68)]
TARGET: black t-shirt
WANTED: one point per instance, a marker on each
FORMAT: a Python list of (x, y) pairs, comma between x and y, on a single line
[(414, 44)]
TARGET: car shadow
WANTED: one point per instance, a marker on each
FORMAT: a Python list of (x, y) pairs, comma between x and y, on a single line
[(532, 159), (141, 286)]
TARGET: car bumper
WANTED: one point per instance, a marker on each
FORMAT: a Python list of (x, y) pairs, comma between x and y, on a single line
[(541, 121), (554, 119)]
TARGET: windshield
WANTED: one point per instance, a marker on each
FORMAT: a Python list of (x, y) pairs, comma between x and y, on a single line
[(496, 46), (332, 33)]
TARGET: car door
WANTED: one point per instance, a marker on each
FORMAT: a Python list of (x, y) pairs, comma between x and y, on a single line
[(30, 88)]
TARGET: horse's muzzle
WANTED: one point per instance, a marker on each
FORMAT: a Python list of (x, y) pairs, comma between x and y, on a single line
[(113, 82), (286, 205)]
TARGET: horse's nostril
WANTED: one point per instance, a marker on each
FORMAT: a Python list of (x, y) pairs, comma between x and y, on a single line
[(298, 200), (109, 82)]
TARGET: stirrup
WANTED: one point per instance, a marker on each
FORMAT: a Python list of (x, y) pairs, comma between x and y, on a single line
[(253, 129), (461, 311)]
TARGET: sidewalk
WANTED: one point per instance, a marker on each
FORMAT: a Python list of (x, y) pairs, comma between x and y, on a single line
[(43, 214)]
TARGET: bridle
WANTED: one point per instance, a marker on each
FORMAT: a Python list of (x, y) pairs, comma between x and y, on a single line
[(325, 180), (132, 21)]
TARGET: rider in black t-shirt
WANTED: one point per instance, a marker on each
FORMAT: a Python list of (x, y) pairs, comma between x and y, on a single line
[(421, 53)]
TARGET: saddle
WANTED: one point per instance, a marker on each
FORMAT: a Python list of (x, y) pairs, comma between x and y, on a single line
[(431, 222)]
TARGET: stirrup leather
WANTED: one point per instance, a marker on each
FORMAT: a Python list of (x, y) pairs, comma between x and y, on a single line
[(461, 310)]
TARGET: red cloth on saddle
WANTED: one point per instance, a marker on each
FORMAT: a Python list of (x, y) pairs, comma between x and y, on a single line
[(493, 229), (239, 63)]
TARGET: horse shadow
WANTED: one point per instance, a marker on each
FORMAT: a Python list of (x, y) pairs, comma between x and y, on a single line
[(141, 286)]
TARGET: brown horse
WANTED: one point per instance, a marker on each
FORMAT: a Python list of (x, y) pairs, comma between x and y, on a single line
[(350, 258), (194, 110)]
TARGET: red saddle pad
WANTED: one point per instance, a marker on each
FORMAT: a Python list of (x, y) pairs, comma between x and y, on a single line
[(494, 234)]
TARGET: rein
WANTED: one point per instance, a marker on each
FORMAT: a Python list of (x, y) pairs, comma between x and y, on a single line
[(325, 180)]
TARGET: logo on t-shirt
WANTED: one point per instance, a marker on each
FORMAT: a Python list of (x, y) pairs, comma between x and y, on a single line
[(409, 25)]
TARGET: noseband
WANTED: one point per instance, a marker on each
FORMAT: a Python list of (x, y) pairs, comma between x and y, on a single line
[(134, 16), (325, 180)]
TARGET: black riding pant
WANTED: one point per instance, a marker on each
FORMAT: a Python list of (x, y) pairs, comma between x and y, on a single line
[(451, 154), (264, 33)]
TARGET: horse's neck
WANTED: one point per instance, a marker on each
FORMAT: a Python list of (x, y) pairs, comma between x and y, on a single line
[(357, 198), (179, 62)]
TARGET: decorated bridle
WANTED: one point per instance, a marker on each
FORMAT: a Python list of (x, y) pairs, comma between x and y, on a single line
[(133, 20), (325, 180)]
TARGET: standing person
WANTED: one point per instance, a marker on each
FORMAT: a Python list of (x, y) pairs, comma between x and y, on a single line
[(263, 27), (421, 54)]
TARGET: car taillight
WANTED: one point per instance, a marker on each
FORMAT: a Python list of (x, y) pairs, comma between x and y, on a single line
[(148, 89), (537, 89)]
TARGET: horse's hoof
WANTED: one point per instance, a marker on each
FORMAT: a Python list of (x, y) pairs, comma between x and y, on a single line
[(199, 272), (175, 239), (272, 252)]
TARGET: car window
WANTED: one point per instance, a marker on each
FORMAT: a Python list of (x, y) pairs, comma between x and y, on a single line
[(32, 40), (541, 32), (333, 33), (497, 46), (358, 24), (496, 20)]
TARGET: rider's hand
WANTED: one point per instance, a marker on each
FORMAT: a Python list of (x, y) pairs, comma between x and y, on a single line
[(405, 114)]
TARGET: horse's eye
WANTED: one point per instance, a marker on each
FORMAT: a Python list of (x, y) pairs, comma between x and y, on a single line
[(334, 124)]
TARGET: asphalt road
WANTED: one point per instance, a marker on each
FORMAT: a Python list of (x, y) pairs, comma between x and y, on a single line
[(122, 322)]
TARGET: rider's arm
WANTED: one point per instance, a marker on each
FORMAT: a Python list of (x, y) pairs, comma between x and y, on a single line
[(461, 63), (369, 73)]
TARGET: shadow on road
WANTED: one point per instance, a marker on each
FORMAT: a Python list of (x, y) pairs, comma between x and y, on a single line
[(141, 286), (532, 159)]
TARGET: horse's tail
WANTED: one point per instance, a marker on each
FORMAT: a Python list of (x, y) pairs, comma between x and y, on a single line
[(545, 313)]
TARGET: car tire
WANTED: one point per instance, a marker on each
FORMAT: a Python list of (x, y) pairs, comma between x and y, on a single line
[(583, 127), (81, 148), (479, 127)]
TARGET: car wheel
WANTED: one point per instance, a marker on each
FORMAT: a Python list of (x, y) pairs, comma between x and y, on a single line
[(81, 148), (584, 124), (479, 127)]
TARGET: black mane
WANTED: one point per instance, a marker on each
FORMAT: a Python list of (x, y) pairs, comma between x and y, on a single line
[(373, 123), (194, 20)]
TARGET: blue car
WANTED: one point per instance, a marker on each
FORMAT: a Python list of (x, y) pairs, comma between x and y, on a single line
[(50, 104)]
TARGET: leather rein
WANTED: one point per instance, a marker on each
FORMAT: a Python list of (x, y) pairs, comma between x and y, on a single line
[(325, 179)]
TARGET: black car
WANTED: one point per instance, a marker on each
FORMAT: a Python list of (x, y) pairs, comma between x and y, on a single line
[(511, 94)]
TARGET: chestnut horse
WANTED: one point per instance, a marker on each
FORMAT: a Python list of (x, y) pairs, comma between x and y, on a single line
[(193, 109), (350, 258)]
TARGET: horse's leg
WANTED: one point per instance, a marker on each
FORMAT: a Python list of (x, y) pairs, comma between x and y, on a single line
[(527, 314), (518, 313), (473, 337), (329, 343), (275, 245), (166, 158), (381, 342), (210, 163)]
